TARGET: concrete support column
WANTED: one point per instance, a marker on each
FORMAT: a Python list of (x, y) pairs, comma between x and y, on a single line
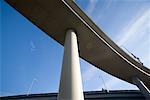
[(145, 91), (70, 83)]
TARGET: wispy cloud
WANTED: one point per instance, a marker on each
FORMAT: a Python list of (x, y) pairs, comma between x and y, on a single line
[(135, 29), (91, 6), (32, 46), (136, 36), (94, 5)]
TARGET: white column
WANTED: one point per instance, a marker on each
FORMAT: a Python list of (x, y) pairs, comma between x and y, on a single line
[(70, 83)]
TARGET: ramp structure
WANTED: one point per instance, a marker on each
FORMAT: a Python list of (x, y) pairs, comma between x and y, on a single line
[(90, 95), (56, 17)]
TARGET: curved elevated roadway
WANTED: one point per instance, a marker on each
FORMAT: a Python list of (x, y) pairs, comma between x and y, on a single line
[(54, 17)]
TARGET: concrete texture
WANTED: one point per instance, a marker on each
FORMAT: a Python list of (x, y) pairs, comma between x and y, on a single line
[(70, 83)]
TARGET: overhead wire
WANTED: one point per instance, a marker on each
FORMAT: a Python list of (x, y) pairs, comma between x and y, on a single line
[(33, 81), (105, 87)]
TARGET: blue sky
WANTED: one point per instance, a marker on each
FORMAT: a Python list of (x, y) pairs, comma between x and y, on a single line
[(30, 58)]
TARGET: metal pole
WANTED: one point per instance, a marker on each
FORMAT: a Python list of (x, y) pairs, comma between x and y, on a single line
[(70, 83), (145, 91)]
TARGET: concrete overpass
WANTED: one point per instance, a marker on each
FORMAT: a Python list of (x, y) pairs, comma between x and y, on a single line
[(89, 95), (56, 17)]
